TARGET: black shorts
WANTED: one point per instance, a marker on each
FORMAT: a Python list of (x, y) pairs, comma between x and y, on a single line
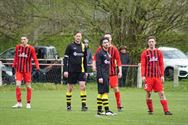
[(75, 77), (103, 87)]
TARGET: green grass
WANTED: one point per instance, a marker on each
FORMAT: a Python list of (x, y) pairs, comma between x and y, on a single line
[(48, 107)]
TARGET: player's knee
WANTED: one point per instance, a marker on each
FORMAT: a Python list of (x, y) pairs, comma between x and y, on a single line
[(116, 89), (18, 84), (28, 85), (162, 96), (70, 88), (82, 88)]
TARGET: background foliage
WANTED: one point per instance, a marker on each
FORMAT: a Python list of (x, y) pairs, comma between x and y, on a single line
[(52, 22)]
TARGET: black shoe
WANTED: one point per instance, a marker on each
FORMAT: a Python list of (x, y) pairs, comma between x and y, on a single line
[(168, 113), (120, 109), (69, 108), (84, 109), (150, 112)]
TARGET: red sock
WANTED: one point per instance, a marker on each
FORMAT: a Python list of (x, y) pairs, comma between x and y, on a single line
[(29, 93), (165, 105), (118, 99), (18, 94), (149, 104)]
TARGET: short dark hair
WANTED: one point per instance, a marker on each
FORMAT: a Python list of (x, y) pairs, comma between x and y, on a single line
[(75, 32), (122, 47), (102, 39), (24, 35), (151, 37), (106, 33)]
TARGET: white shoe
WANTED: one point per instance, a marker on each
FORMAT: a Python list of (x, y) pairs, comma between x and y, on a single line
[(28, 105), (17, 105), (110, 113)]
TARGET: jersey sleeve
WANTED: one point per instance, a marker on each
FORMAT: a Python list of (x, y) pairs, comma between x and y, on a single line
[(98, 65), (34, 56), (94, 56), (117, 57), (85, 58), (15, 57), (65, 59), (161, 63), (143, 63)]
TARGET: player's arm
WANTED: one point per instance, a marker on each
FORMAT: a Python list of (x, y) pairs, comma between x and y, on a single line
[(65, 61), (118, 60), (85, 60), (161, 65), (143, 65), (34, 56), (15, 57), (98, 67), (94, 59)]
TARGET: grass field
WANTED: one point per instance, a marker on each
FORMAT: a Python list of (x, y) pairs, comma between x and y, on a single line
[(48, 107)]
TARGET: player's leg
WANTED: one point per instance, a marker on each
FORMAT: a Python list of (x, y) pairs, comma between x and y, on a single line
[(99, 104), (29, 94), (69, 96), (114, 85), (164, 103), (158, 87), (105, 102), (18, 90), (70, 82), (148, 88), (27, 79), (83, 94), (149, 102)]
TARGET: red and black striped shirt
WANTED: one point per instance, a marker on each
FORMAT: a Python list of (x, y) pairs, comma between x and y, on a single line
[(152, 63), (114, 59), (23, 58)]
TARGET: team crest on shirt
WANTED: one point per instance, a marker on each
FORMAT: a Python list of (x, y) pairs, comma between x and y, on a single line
[(23, 55), (106, 61), (78, 54), (153, 59)]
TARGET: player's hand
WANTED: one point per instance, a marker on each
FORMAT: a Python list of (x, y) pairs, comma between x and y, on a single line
[(86, 75), (13, 71), (66, 74), (100, 80), (94, 68), (143, 79), (162, 79), (119, 74), (37, 72)]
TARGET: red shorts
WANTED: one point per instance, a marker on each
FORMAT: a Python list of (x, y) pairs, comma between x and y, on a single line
[(114, 81), (153, 84), (23, 76)]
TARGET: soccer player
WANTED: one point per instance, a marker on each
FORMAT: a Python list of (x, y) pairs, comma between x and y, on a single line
[(102, 67), (75, 68), (22, 64), (114, 61), (152, 68)]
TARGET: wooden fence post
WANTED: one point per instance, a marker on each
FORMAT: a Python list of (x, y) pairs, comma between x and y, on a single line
[(139, 77), (176, 78), (1, 82)]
